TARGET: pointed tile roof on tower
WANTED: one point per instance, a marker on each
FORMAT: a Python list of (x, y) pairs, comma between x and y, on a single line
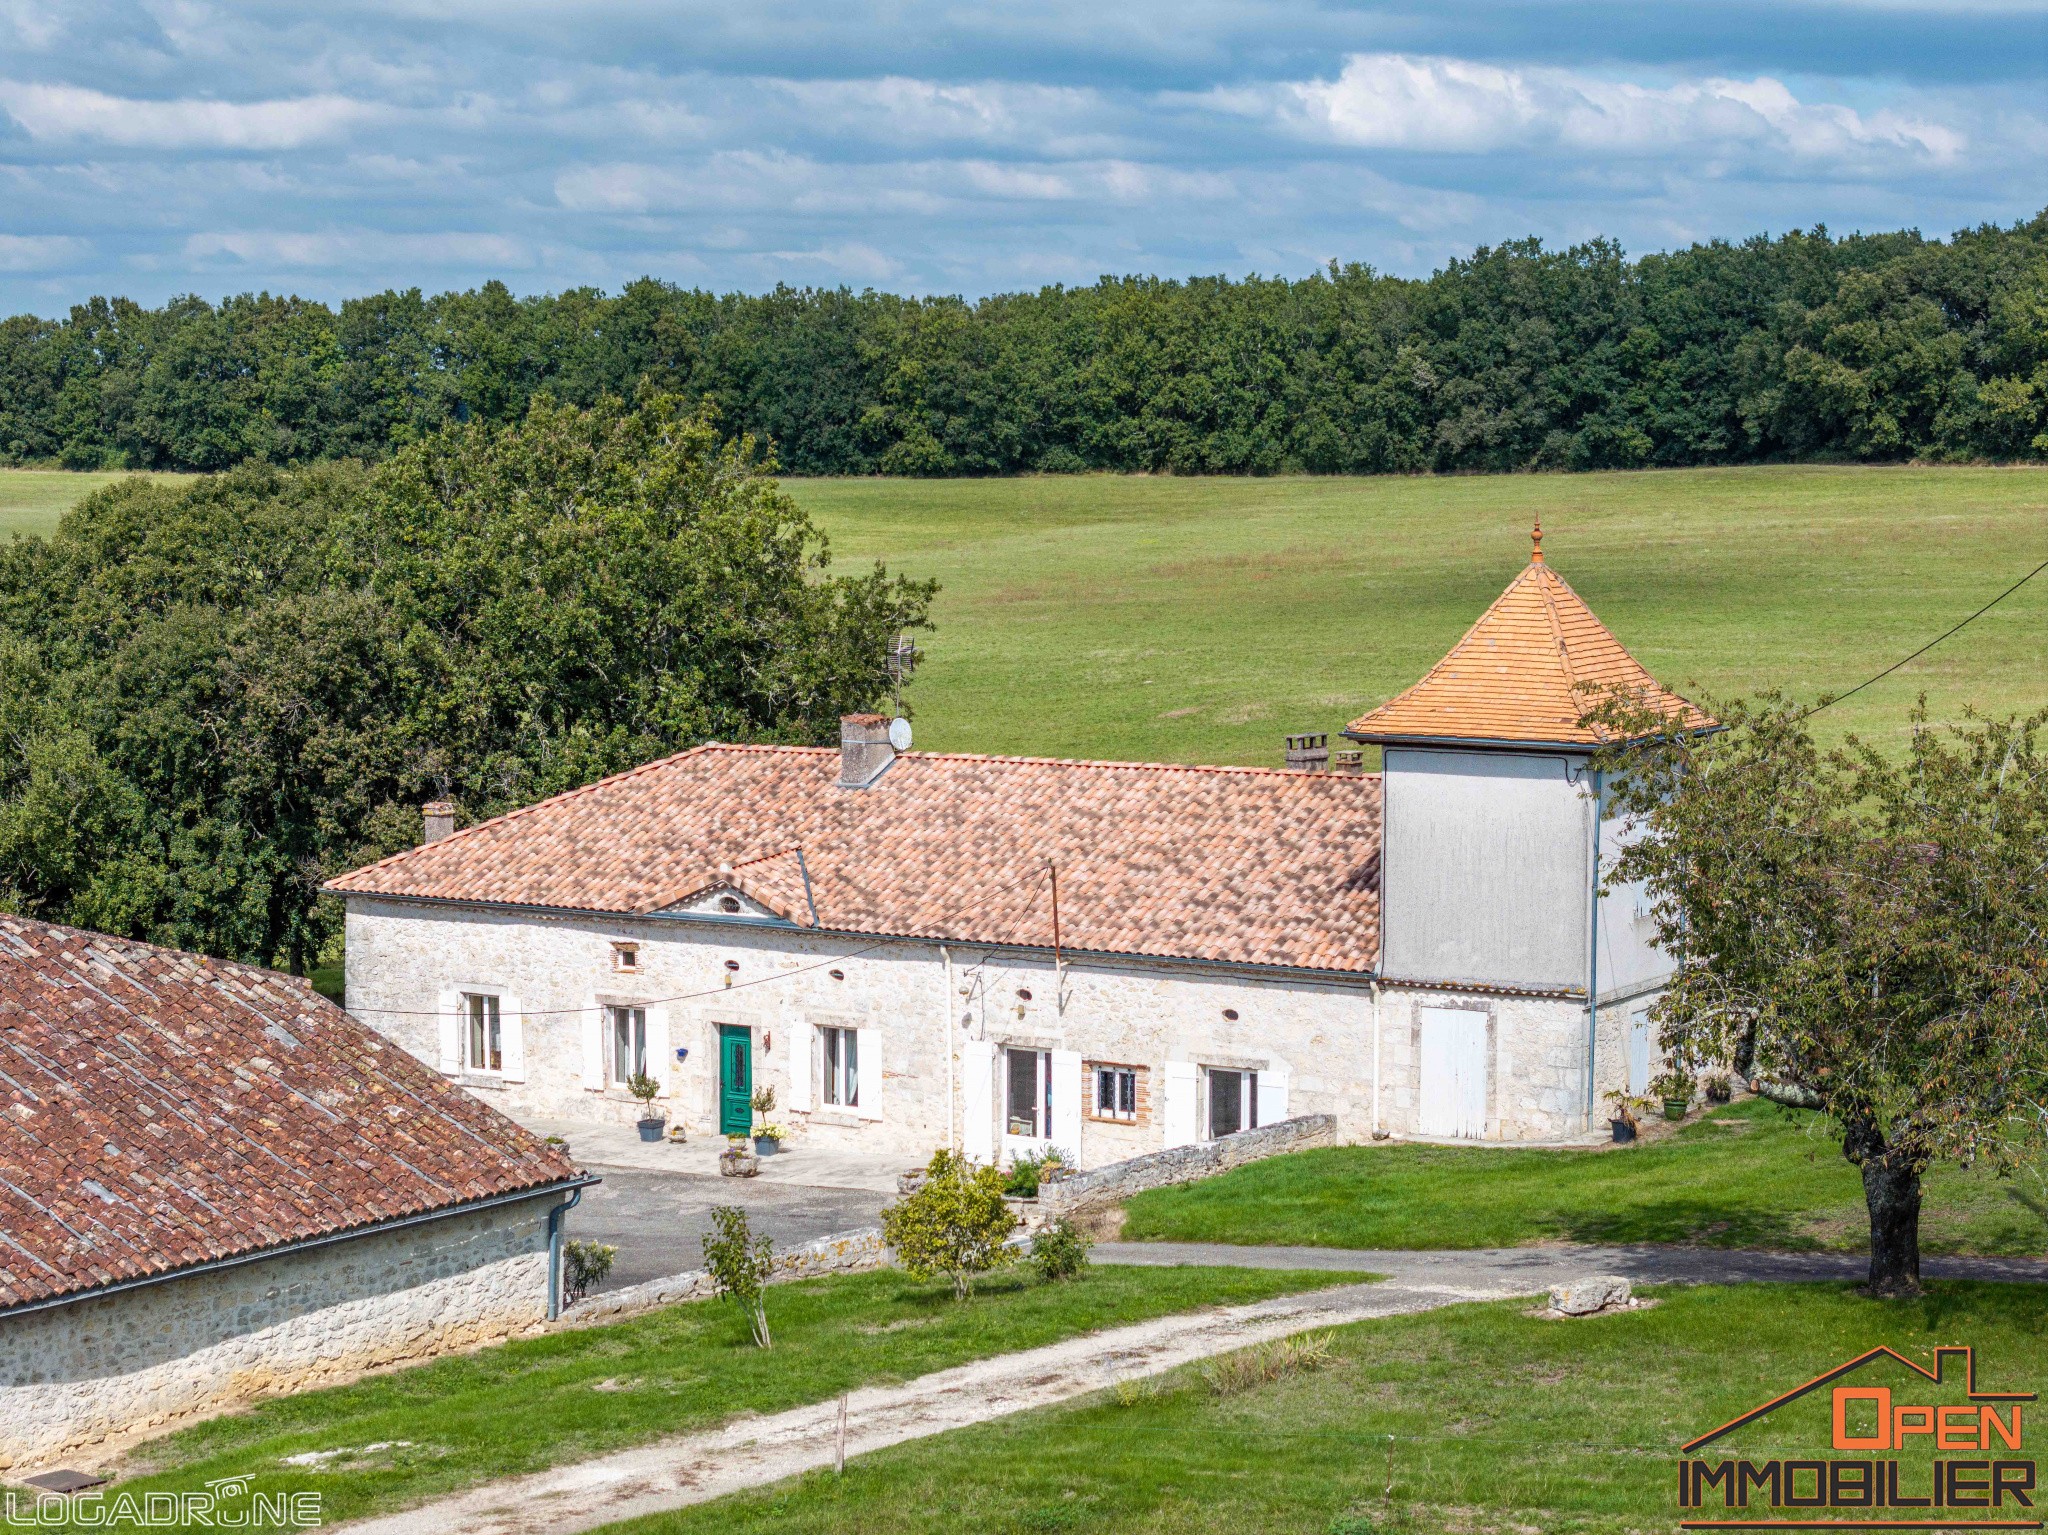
[(1525, 674)]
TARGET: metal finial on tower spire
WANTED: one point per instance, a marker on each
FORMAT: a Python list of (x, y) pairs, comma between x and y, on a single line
[(1536, 541)]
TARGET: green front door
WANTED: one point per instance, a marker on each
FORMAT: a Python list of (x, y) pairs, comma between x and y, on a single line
[(735, 1080)]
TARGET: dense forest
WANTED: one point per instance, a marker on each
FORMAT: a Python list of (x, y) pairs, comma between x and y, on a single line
[(1868, 347)]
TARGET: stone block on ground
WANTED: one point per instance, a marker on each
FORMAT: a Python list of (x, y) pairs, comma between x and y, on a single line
[(1584, 1297)]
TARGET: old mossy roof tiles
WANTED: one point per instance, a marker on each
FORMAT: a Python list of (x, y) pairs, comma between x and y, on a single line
[(1242, 865), (159, 1109)]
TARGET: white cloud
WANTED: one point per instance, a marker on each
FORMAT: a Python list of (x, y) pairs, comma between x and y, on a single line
[(851, 259), (40, 253), (334, 249), (70, 112), (1447, 105)]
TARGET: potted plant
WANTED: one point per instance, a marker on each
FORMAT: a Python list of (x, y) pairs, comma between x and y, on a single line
[(652, 1120), (1626, 1119), (768, 1139), (1675, 1088), (1720, 1087), (738, 1159)]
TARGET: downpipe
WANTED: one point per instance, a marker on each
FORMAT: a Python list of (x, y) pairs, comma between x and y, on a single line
[(553, 1251)]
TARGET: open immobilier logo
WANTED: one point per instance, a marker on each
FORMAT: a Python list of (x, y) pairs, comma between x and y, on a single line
[(1911, 1452)]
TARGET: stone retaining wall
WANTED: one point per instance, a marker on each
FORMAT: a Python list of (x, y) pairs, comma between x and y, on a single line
[(846, 1252), (1183, 1164)]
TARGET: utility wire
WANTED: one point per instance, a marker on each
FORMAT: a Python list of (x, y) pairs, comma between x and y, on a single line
[(1916, 655), (761, 980)]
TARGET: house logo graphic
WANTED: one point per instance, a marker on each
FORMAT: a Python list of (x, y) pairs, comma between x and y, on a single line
[(1910, 1452)]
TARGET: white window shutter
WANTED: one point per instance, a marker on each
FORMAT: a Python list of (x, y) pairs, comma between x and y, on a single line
[(660, 1060), (1273, 1093), (451, 1031), (867, 1072), (1064, 1123), (977, 1100), (512, 1038), (592, 1020), (802, 1069), (1183, 1094)]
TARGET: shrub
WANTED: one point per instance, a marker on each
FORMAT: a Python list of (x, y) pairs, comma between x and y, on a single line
[(1059, 1250), (955, 1224), (585, 1264), (1028, 1172), (740, 1264)]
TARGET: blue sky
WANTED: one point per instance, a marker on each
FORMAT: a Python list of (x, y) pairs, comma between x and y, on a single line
[(181, 146)]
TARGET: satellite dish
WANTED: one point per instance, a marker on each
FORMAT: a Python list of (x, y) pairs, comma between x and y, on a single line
[(899, 733)]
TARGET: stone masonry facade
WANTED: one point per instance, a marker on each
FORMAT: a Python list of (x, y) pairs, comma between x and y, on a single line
[(1311, 1038), (94, 1373)]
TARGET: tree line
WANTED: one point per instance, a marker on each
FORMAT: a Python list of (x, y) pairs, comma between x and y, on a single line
[(218, 693), (1868, 347)]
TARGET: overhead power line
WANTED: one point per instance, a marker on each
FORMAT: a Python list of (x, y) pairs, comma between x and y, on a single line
[(1916, 655)]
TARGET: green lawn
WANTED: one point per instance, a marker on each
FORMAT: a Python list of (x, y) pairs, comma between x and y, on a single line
[(537, 1402), (31, 500), (1497, 1421), (1750, 1175), (1199, 620)]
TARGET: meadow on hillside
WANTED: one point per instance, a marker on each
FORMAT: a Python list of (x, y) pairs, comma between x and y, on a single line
[(1198, 620)]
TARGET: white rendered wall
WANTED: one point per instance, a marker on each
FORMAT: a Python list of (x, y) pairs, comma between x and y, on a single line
[(98, 1371), (1311, 1039)]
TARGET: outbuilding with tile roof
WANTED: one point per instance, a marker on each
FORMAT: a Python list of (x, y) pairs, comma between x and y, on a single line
[(214, 1184)]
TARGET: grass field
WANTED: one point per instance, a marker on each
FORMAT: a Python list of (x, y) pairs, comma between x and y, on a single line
[(538, 1402), (1199, 620), (1490, 1421), (1202, 619), (1750, 1175)]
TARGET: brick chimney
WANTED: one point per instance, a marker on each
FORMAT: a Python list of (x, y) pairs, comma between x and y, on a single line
[(1348, 762), (864, 749), (440, 818), (1308, 753)]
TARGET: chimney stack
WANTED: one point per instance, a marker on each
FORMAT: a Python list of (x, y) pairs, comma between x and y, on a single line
[(1349, 762), (440, 817), (864, 749), (1308, 753)]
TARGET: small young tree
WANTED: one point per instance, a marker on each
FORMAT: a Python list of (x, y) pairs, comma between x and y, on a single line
[(740, 1264), (955, 1224), (1860, 930)]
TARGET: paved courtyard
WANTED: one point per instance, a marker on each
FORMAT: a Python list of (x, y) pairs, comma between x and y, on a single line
[(655, 1203)]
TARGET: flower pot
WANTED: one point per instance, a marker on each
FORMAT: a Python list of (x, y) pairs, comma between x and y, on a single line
[(1624, 1132), (651, 1129), (1674, 1108), (1719, 1093), (738, 1164), (766, 1145)]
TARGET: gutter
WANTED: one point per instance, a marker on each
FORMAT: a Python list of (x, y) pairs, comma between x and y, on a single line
[(327, 1239)]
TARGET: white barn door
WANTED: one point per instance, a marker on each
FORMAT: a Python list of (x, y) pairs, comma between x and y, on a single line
[(1453, 1073)]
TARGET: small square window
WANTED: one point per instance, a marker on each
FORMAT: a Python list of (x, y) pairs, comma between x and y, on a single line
[(1116, 1093), (625, 956)]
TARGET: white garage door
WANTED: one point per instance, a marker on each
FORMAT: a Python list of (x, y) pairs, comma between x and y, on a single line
[(1453, 1073)]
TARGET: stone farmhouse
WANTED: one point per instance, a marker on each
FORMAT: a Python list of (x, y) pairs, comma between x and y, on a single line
[(1007, 954), (215, 1184)]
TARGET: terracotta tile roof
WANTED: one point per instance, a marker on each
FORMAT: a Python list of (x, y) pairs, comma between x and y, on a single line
[(1535, 663), (160, 1109), (1236, 864)]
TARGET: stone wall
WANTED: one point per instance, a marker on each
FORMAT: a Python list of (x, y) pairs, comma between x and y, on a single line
[(1311, 1038), (1183, 1164), (84, 1376), (847, 1252)]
